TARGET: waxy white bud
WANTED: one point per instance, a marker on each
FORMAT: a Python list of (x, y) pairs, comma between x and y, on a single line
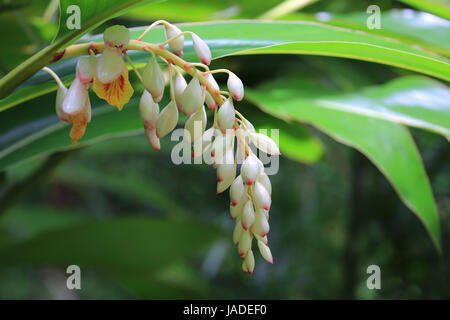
[(249, 170), (244, 266), (180, 85), (192, 98), (60, 95), (226, 171), (250, 261), (265, 251), (149, 110), (263, 239), (110, 65), (117, 36), (226, 116), (235, 86), (152, 138), (177, 44), (237, 191), (265, 181), (153, 79), (201, 49), (260, 225), (167, 119), (248, 215), (209, 98), (86, 68), (195, 126), (237, 231), (245, 243), (76, 98), (236, 211), (261, 197), (264, 143)]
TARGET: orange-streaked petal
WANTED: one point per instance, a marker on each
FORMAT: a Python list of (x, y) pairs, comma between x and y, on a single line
[(117, 92), (79, 122)]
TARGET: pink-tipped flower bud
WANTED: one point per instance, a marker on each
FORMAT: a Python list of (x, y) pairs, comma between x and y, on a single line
[(245, 243), (226, 115), (60, 95), (244, 266), (263, 239), (153, 79), (248, 215), (237, 191), (264, 143), (237, 231), (192, 98), (179, 85), (110, 65), (265, 181), (260, 225), (236, 211), (149, 110), (117, 36), (177, 44), (265, 251), (250, 261), (201, 49), (152, 138), (210, 102), (226, 171), (249, 170), (86, 68), (235, 86), (261, 197), (76, 98), (167, 119), (195, 126)]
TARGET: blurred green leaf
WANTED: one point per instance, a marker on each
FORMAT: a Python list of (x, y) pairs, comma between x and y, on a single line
[(438, 7), (119, 244), (388, 145)]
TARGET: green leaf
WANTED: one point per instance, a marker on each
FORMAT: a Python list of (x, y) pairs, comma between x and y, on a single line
[(119, 244), (438, 7), (92, 13), (388, 145), (256, 37)]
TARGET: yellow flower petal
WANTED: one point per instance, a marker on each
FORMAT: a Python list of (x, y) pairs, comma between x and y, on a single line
[(79, 122), (117, 92)]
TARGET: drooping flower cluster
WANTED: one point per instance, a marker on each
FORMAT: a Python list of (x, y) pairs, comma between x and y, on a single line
[(227, 142)]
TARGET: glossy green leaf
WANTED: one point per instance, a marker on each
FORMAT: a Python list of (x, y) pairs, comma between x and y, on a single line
[(256, 37), (388, 145), (437, 7), (133, 244)]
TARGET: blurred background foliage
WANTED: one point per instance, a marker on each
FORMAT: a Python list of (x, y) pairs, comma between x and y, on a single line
[(141, 227)]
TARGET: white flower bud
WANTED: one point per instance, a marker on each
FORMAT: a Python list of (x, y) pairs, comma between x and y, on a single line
[(265, 181), (264, 143), (261, 197), (250, 261), (153, 79), (180, 85), (237, 191), (226, 171), (260, 225), (149, 110), (86, 68), (177, 44), (152, 138), (109, 65), (167, 119), (265, 251), (249, 125), (237, 231), (249, 170), (195, 126), (117, 36), (201, 49), (60, 95), (75, 98), (226, 116), (192, 98), (248, 215), (244, 266), (236, 211), (245, 243), (263, 239), (235, 86)]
